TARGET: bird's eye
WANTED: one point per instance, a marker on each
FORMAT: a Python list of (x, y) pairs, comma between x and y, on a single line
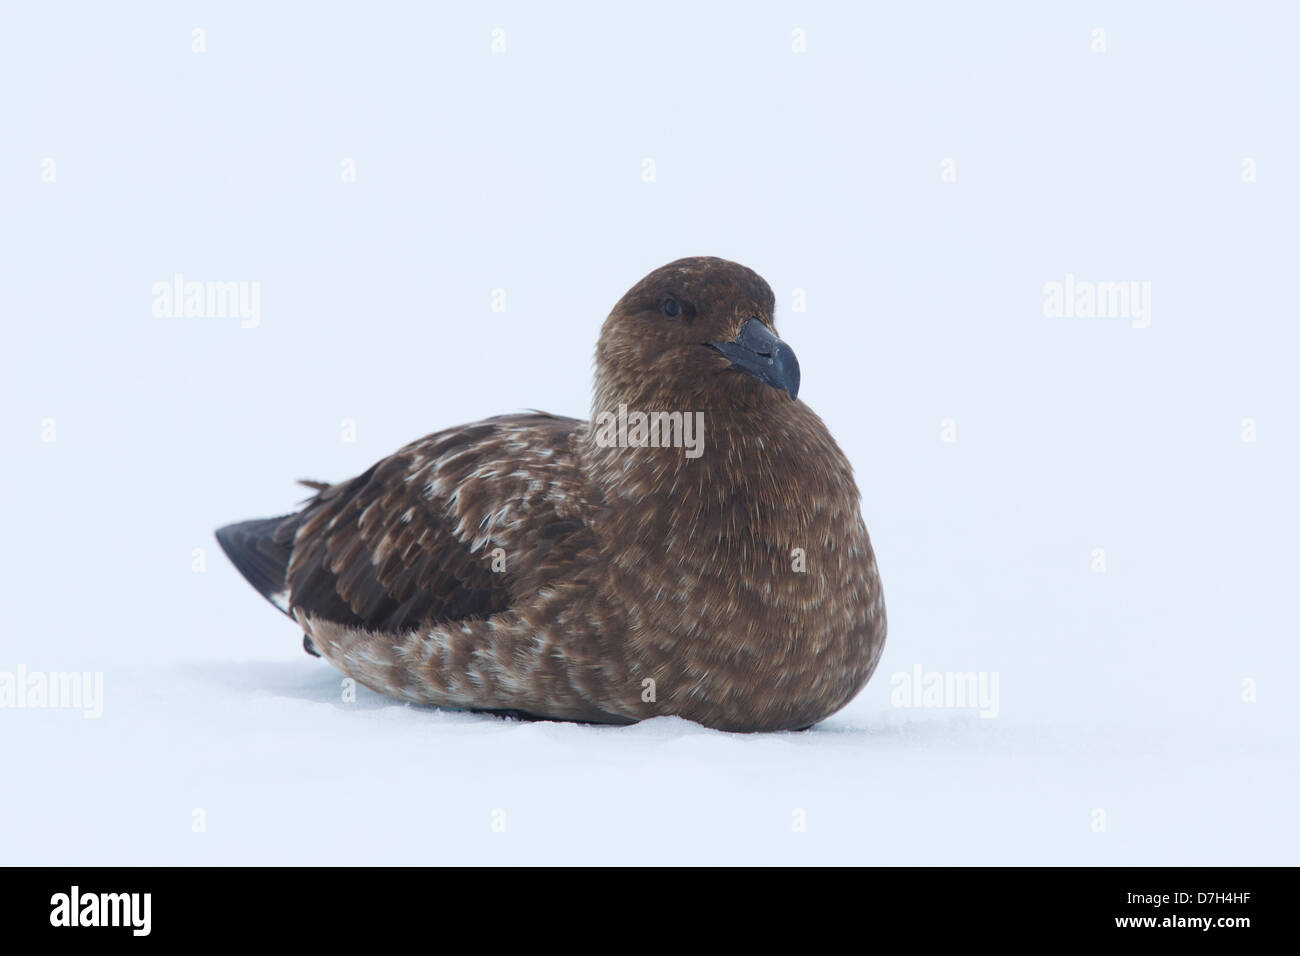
[(671, 308)]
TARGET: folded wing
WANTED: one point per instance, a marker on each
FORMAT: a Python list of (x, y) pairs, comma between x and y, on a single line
[(451, 527)]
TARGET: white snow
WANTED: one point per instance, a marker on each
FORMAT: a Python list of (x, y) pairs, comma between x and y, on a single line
[(284, 772)]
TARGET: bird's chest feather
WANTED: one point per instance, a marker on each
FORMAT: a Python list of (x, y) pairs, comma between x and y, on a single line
[(733, 565), (739, 571)]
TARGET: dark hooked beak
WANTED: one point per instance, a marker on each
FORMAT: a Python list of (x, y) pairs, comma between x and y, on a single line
[(759, 352)]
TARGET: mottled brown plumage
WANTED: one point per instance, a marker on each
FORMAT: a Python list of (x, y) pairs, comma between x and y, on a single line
[(525, 564)]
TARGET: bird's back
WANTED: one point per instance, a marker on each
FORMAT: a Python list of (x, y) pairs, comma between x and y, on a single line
[(456, 525)]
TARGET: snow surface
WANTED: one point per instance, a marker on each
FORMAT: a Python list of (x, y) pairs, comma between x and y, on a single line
[(1147, 714)]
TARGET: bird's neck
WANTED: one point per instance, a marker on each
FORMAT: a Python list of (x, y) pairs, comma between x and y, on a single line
[(684, 472)]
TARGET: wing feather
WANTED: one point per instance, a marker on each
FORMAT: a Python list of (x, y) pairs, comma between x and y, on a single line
[(412, 540)]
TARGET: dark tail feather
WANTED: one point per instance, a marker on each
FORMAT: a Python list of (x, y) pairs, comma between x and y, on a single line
[(252, 548)]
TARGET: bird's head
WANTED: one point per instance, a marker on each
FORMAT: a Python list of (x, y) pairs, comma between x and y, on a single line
[(696, 331)]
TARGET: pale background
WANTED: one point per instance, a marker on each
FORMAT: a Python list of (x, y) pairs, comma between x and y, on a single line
[(1120, 691)]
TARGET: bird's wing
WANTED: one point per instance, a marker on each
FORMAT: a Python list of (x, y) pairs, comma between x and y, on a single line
[(450, 527)]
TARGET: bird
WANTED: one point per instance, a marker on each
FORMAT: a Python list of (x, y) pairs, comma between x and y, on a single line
[(694, 548)]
